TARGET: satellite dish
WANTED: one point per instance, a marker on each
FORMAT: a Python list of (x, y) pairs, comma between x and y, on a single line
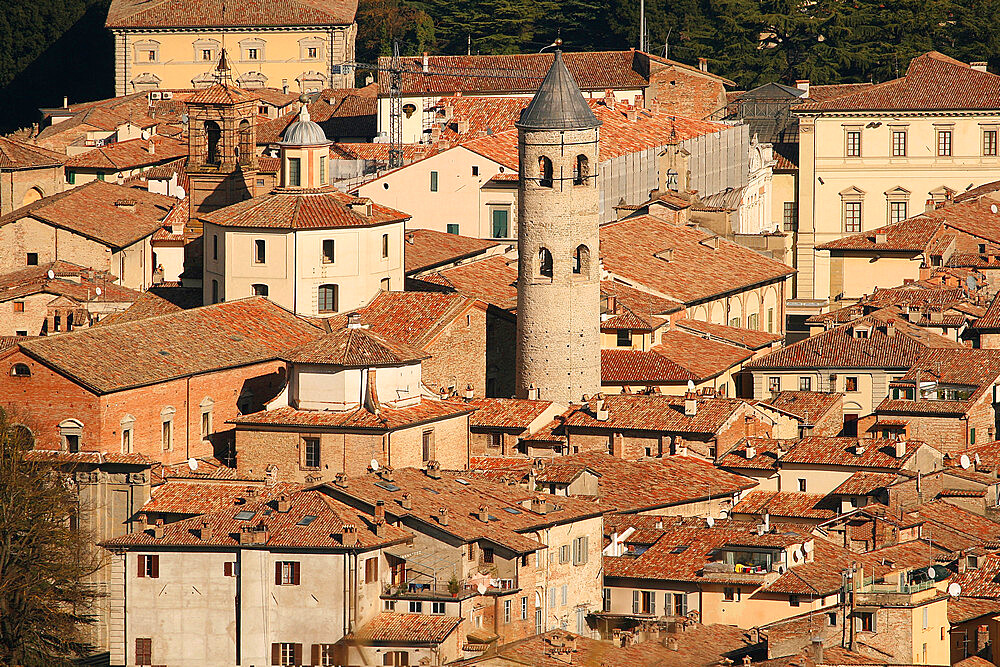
[(690, 385), (374, 465), (964, 461), (51, 274), (796, 555), (98, 291), (993, 208), (930, 573), (954, 590), (977, 459), (710, 521), (807, 547), (193, 463), (482, 588)]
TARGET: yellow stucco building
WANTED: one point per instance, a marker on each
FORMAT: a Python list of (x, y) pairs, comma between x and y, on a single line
[(299, 44)]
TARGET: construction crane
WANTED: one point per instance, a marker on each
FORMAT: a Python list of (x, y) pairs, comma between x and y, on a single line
[(398, 67)]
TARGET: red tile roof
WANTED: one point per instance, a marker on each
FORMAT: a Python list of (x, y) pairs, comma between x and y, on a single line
[(415, 319), (426, 249), (962, 609), (130, 154), (639, 367), (991, 318), (16, 155), (863, 483), (146, 305), (491, 280), (822, 576), (765, 454), (506, 413), (284, 529), (388, 418), (72, 281), (405, 629), (193, 497), (156, 349), (60, 457), (216, 13), (696, 271), (648, 307), (748, 338), (973, 369), (354, 347), (784, 504), (294, 209), (809, 406), (87, 209), (348, 113), (933, 81), (841, 451), (954, 527), (642, 412), (703, 357), (981, 582)]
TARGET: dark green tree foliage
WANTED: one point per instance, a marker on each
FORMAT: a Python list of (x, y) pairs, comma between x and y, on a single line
[(44, 561)]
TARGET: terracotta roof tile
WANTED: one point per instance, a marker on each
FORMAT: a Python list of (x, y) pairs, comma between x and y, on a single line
[(491, 280), (784, 504), (981, 582), (215, 13), (702, 357), (87, 209), (748, 338), (130, 154), (808, 406), (822, 575), (766, 452), (388, 418), (193, 497), (506, 413), (426, 249), (354, 347), (657, 413), (20, 155), (863, 483), (145, 306), (414, 318), (291, 209), (842, 451), (954, 527), (405, 629), (61, 457), (156, 349), (972, 369), (651, 308), (641, 368), (72, 281), (964, 609)]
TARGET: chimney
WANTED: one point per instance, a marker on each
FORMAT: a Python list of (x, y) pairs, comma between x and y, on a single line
[(929, 206), (890, 328), (354, 320), (747, 660), (284, 504), (433, 470), (470, 393), (671, 643), (427, 63), (250, 492), (340, 479), (979, 66), (816, 650), (65, 102), (612, 304), (881, 238), (609, 98), (206, 531), (410, 237), (483, 514), (532, 392), (538, 506), (350, 534), (379, 517), (751, 452), (803, 85), (126, 205), (284, 86), (631, 114), (859, 448), (600, 412), (151, 147), (703, 64), (158, 529), (442, 516), (690, 404), (937, 317), (900, 448), (406, 502)]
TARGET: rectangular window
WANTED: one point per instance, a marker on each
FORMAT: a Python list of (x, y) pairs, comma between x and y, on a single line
[(206, 54), (472, 551), (564, 594), (322, 169), (944, 143), (564, 553), (897, 211), (524, 608), (506, 611), (427, 445), (972, 436), (294, 171), (126, 441), (501, 217), (635, 602), (774, 383), (831, 619), (624, 338), (793, 600), (487, 554), (802, 485), (866, 621), (328, 251), (32, 259), (925, 623), (805, 383), (437, 608), (384, 284), (850, 383), (453, 228), (206, 424), (286, 573), (730, 594), (538, 621), (680, 604), (371, 570), (606, 599), (18, 306), (149, 566), (143, 651), (580, 546), (790, 217), (259, 251), (229, 568), (151, 56), (311, 452), (475, 170), (167, 435), (852, 216), (328, 299), (327, 655), (385, 246), (215, 246), (434, 181), (495, 440), (286, 654), (251, 54), (312, 52), (990, 143), (899, 143), (647, 604), (854, 143), (552, 598), (416, 607), (71, 177)]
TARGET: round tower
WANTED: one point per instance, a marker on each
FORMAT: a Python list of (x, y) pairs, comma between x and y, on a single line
[(305, 153), (558, 286)]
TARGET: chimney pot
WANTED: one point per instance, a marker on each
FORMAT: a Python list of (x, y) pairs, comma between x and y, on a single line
[(158, 529), (484, 514), (284, 504), (703, 64), (406, 501), (690, 404), (442, 516), (340, 479), (803, 85), (206, 531)]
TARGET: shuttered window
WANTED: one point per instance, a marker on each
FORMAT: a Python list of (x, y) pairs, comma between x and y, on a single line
[(148, 566), (286, 573)]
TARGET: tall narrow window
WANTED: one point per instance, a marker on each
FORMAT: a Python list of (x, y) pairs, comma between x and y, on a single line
[(581, 170), (259, 251), (853, 143), (294, 171), (545, 262), (329, 297), (385, 245), (213, 136), (322, 170), (544, 172), (127, 440), (215, 291), (897, 211), (427, 445), (899, 143), (311, 452), (384, 285), (328, 251), (167, 436), (143, 651), (944, 143), (215, 246), (434, 181), (990, 143), (581, 260), (852, 216)]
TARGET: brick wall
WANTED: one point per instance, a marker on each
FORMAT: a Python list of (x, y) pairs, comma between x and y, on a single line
[(686, 93), (14, 185), (458, 355)]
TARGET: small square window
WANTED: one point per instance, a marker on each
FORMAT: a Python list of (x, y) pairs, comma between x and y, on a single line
[(416, 607), (32, 259), (805, 383), (206, 54), (774, 383), (312, 52), (624, 338), (850, 383), (453, 228), (831, 619), (802, 485), (18, 306)]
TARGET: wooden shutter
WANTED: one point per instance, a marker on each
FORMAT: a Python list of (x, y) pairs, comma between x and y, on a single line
[(141, 560), (635, 602), (227, 568), (275, 654), (315, 654), (584, 549), (295, 580), (277, 576), (298, 651), (156, 566)]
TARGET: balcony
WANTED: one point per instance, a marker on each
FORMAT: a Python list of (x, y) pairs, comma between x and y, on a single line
[(895, 593), (422, 591)]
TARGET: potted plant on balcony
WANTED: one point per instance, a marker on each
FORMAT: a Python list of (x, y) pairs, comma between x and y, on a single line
[(453, 586)]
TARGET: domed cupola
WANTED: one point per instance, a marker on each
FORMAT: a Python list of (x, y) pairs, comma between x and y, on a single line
[(305, 153)]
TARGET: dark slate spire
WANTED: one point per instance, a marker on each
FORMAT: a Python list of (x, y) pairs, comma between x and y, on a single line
[(558, 104)]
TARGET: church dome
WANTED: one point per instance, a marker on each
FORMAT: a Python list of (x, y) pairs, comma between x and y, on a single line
[(304, 132)]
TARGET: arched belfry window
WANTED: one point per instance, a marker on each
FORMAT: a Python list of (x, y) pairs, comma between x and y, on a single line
[(581, 170), (545, 262), (581, 260), (245, 147), (213, 134), (544, 172)]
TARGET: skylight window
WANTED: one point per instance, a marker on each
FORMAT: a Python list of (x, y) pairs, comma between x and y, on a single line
[(306, 520), (511, 510), (387, 486), (461, 481), (680, 548), (245, 515)]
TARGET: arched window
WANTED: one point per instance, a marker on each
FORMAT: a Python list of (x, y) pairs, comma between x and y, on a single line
[(259, 289), (215, 291), (32, 195), (544, 172), (20, 371), (213, 134), (71, 432), (545, 262), (329, 298), (581, 170), (581, 260), (246, 147), (22, 436)]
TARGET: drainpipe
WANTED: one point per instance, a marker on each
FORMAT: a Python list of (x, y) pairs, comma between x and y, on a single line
[(187, 421)]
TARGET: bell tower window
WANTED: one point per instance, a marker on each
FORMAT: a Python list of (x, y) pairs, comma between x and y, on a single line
[(544, 172), (581, 170), (213, 134), (545, 262), (581, 260)]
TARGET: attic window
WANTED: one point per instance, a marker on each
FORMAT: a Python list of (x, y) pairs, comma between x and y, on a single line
[(461, 481), (387, 486), (306, 520), (245, 515), (511, 510), (680, 548)]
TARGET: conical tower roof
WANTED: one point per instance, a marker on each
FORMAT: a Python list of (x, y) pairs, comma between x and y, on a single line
[(558, 104)]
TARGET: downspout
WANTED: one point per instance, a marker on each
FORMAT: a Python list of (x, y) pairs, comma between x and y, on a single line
[(354, 589), (239, 616), (295, 273), (187, 421)]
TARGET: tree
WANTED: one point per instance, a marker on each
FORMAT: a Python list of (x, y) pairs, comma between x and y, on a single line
[(44, 560)]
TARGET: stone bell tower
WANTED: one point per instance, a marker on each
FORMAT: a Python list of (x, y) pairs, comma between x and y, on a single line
[(558, 285), (222, 144)]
